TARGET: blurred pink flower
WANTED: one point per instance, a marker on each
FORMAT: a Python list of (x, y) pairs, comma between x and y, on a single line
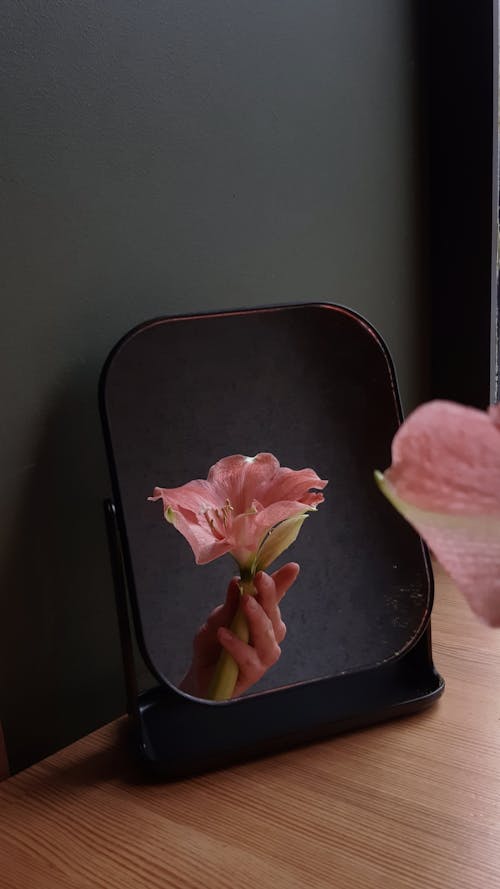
[(250, 507), (445, 480)]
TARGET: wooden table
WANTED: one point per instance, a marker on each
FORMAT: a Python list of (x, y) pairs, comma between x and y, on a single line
[(412, 803)]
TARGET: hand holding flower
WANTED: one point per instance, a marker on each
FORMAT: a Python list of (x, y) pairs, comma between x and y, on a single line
[(266, 633), (253, 509)]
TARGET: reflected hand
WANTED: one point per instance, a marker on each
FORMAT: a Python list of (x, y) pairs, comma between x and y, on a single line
[(266, 628)]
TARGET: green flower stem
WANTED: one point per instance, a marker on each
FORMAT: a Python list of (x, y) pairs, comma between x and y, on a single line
[(226, 672)]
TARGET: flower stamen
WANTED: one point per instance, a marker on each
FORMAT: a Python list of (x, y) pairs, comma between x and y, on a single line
[(218, 519)]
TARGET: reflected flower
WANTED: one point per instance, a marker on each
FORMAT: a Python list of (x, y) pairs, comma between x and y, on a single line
[(239, 508), (250, 507)]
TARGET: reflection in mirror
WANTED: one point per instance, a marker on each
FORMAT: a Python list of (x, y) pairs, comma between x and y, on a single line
[(314, 386), (252, 509)]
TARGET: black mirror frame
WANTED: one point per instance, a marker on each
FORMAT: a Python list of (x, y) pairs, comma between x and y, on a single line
[(178, 736)]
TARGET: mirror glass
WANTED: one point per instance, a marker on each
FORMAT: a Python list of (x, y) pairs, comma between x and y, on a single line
[(313, 386)]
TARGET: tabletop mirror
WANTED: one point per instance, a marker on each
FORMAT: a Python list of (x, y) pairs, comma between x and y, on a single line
[(313, 385)]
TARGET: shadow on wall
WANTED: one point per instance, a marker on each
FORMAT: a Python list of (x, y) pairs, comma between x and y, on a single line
[(59, 651)]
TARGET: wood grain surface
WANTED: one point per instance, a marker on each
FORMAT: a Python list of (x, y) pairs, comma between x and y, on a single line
[(411, 803)]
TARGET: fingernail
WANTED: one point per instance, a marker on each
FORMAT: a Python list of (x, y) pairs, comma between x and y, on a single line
[(250, 602), (224, 634)]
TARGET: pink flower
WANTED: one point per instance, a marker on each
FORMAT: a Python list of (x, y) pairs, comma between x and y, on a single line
[(250, 507), (445, 480)]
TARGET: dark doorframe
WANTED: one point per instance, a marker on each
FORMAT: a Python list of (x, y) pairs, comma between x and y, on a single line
[(460, 65)]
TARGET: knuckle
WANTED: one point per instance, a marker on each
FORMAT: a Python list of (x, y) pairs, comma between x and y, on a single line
[(248, 665), (264, 584), (272, 656), (269, 631), (276, 653)]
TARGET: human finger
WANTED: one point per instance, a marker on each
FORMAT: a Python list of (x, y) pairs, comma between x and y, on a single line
[(261, 630), (224, 613), (266, 596), (284, 577), (205, 642), (250, 669)]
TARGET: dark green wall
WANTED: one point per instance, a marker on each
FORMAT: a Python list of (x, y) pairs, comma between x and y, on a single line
[(166, 157)]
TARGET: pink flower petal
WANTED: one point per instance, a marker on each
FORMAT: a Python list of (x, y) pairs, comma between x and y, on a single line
[(205, 546), (242, 479), (445, 480), (468, 547), (248, 530), (289, 484), (196, 496), (312, 499), (184, 508), (278, 512), (446, 458), (494, 414), (239, 502)]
